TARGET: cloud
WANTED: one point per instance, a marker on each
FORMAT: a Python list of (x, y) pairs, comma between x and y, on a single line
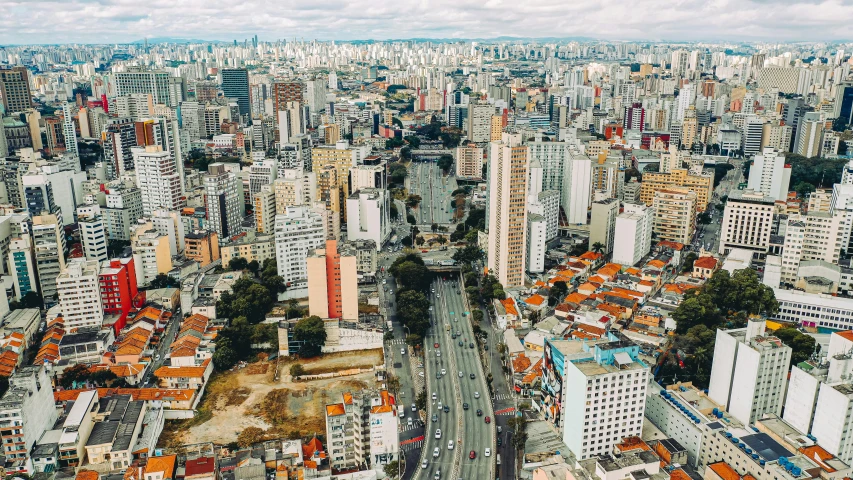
[(106, 21)]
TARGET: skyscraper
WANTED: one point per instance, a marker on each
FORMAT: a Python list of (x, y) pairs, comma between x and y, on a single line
[(138, 80), (332, 283), (235, 84), (15, 89), (508, 163), (68, 130), (223, 201), (158, 179)]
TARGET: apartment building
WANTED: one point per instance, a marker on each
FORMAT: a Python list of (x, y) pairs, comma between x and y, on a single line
[(260, 248), (223, 200), (632, 234), (508, 162), (332, 283), (469, 162), (602, 225), (770, 174), (747, 222), (80, 295), (158, 179), (298, 231), (368, 216), (675, 215), (27, 409), (749, 375), (814, 236), (202, 246), (361, 430), (679, 179), (265, 209)]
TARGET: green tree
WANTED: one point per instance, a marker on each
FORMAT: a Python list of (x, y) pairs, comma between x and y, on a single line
[(804, 188), (802, 345), (411, 272), (557, 292), (412, 201), (410, 219), (468, 254), (413, 141), (311, 331), (297, 370), (598, 247), (29, 300), (445, 162), (254, 267), (247, 298), (704, 218), (413, 311), (421, 400), (688, 262), (164, 281), (4, 384), (237, 264), (839, 124), (392, 469), (434, 227)]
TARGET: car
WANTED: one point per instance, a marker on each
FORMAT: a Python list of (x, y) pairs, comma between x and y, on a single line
[(430, 308), (434, 395), (435, 345), (424, 464), (486, 348), (476, 394), (472, 455), (443, 371), (439, 404), (424, 251), (437, 295), (421, 374), (450, 445), (437, 374), (414, 408), (500, 442), (472, 376), (435, 452), (488, 452), (446, 409), (402, 351), (488, 419), (500, 429), (384, 281), (409, 421), (460, 374), (479, 413), (434, 418), (437, 475), (438, 353), (438, 433), (464, 406), (471, 345), (461, 344), (157, 357)]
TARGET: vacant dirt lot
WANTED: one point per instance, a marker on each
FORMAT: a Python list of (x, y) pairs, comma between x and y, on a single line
[(251, 397)]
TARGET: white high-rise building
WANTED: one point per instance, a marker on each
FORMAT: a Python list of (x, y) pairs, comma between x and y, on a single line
[(80, 294), (537, 228), (769, 174), (750, 371), (603, 395), (508, 162), (815, 236), (223, 200), (68, 130), (93, 232), (298, 230), (633, 234), (263, 172), (747, 221), (368, 216), (480, 122), (547, 204), (576, 191), (158, 179)]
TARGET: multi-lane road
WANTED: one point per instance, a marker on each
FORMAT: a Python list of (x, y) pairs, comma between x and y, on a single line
[(455, 375), (425, 179)]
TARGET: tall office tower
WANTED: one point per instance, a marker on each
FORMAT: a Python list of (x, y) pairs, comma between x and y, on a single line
[(55, 138), (223, 201), (93, 232), (285, 92), (770, 174), (134, 106), (598, 384), (22, 265), (547, 204), (263, 172), (315, 95), (332, 283), (634, 117), (368, 175), (747, 221), (80, 294), (469, 162), (15, 89), (158, 179), (138, 80), (814, 236), (49, 249), (685, 100), (235, 85), (68, 130), (750, 371), (508, 162), (38, 195), (368, 216), (123, 209), (191, 115), (675, 215), (843, 105), (119, 136), (480, 122), (810, 135), (298, 230), (633, 234), (678, 64), (292, 121), (753, 132), (265, 209), (602, 224), (576, 191), (118, 286), (329, 193)]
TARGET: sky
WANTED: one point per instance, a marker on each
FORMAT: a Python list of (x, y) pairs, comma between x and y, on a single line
[(109, 21)]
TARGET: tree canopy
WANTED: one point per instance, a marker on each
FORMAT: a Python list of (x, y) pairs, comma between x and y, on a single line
[(311, 331)]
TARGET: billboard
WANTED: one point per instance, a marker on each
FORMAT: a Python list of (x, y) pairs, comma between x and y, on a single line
[(552, 382)]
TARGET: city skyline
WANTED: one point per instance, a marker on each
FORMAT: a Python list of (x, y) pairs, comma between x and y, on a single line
[(120, 21)]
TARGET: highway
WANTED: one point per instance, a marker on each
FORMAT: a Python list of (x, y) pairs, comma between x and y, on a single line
[(475, 434), (425, 179)]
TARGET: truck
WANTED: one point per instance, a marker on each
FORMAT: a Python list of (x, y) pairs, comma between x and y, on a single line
[(401, 410)]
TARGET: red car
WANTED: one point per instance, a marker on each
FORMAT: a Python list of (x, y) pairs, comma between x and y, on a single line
[(488, 420), (472, 455), (435, 345), (424, 251)]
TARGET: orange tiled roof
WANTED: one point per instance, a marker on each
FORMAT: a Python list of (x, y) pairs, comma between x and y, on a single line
[(724, 470), (673, 245), (576, 297), (509, 306), (705, 262), (192, 372), (334, 410), (820, 456), (591, 329), (313, 445), (588, 287), (656, 263), (535, 299), (633, 271), (593, 256), (520, 363), (87, 475), (348, 398), (647, 283), (846, 334), (164, 464), (679, 474), (583, 335)]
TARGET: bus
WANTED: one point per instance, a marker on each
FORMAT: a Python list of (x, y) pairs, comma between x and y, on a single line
[(498, 459)]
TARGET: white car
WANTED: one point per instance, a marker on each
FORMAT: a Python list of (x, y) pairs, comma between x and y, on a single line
[(438, 433), (424, 464), (439, 405), (402, 351), (488, 452), (450, 445), (421, 374), (414, 408), (476, 394), (409, 421), (434, 396), (443, 372), (435, 452)]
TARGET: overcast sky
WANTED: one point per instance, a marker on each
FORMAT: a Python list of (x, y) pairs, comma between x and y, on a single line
[(106, 21)]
